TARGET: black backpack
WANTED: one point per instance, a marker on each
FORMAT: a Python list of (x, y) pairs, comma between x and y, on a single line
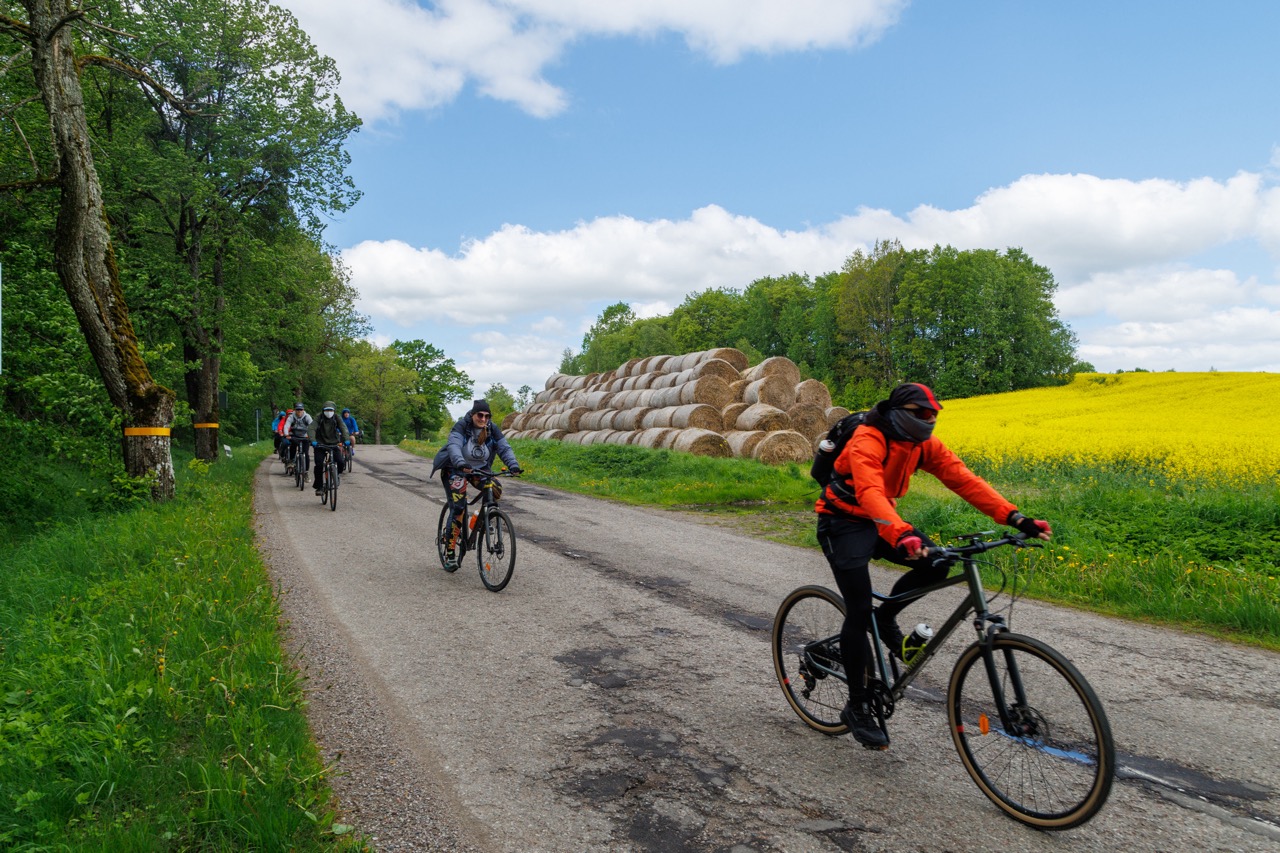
[(824, 461)]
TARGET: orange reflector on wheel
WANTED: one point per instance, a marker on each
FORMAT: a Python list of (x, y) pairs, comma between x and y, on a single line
[(984, 724)]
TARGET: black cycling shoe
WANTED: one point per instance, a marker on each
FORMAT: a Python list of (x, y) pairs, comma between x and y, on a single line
[(863, 725), (893, 638)]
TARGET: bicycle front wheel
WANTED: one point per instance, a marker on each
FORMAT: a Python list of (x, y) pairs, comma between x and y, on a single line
[(334, 479), (442, 540), (297, 471), (807, 657), (1051, 764), (496, 550)]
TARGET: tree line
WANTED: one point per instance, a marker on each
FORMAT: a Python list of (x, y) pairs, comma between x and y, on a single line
[(964, 322), (166, 171)]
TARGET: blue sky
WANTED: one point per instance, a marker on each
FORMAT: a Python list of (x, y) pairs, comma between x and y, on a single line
[(525, 163)]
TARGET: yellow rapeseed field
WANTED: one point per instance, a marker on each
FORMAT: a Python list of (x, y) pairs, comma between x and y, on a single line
[(1206, 427)]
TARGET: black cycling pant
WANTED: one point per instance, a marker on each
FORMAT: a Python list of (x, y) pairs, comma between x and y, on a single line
[(850, 544)]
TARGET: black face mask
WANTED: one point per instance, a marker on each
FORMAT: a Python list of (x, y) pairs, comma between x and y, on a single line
[(909, 425)]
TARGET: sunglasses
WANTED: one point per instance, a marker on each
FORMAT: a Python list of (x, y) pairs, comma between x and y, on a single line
[(923, 414), (484, 416)]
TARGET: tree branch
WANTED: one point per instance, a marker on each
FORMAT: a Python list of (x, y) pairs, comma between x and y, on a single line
[(138, 75), (38, 183), (12, 25)]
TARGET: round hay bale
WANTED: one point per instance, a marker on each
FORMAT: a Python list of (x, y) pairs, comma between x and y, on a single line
[(737, 389), (771, 389), (592, 420), (646, 380), (813, 391), (656, 418), (710, 390), (763, 416), (779, 365), (808, 419), (735, 357), (717, 367), (701, 442), (729, 414), (783, 446), (697, 416), (629, 368), (834, 414), (666, 380), (552, 435), (618, 436), (575, 437), (596, 399), (658, 364), (629, 419), (650, 437), (743, 442), (664, 397)]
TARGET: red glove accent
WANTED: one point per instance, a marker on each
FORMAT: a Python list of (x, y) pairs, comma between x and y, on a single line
[(911, 546)]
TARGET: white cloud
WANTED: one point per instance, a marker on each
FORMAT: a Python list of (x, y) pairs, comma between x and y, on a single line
[(1121, 252), (396, 55)]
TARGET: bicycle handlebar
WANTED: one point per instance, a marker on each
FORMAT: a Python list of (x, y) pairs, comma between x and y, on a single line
[(957, 553)]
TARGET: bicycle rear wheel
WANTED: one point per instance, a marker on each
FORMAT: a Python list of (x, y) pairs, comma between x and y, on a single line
[(442, 540), (496, 550), (807, 659), (1053, 766)]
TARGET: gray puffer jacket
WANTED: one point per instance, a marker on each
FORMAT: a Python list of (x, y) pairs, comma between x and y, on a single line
[(463, 451)]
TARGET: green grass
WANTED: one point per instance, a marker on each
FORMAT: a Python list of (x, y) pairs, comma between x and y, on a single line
[(1126, 542), (145, 700)]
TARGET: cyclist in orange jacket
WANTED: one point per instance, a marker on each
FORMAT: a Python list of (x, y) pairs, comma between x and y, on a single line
[(858, 520)]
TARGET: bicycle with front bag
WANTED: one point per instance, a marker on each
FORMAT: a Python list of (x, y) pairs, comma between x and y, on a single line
[(488, 531), (1029, 729)]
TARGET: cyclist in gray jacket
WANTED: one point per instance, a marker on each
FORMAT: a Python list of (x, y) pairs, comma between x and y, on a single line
[(297, 426), (327, 433), (473, 443)]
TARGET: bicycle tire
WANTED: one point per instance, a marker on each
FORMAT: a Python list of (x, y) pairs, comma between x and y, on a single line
[(1055, 772), (806, 626), (495, 549), (335, 480), (297, 471), (442, 539)]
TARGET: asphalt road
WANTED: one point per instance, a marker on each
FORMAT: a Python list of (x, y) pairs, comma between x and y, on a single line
[(619, 694)]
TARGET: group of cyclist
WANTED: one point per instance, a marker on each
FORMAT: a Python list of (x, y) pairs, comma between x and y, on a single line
[(296, 433), (857, 515)]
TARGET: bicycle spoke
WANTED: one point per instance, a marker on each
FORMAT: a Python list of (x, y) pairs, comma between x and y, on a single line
[(807, 658)]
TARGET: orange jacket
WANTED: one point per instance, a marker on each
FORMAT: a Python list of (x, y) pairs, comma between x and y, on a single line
[(880, 470)]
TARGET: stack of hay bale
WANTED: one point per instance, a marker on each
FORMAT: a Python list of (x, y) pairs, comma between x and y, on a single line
[(710, 403)]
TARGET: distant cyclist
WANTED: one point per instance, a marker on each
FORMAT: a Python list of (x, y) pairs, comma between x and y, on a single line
[(858, 520), (327, 433), (277, 430), (473, 442), (297, 428), (349, 420)]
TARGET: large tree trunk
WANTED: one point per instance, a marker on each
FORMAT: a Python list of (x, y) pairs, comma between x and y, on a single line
[(202, 353), (85, 258)]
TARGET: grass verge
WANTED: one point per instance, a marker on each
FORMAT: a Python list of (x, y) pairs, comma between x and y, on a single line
[(145, 700)]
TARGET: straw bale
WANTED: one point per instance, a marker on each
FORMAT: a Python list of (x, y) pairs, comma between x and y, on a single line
[(669, 439), (772, 389), (808, 419), (629, 419), (646, 380), (735, 357), (737, 389), (618, 436), (701, 442), (697, 415), (743, 441), (814, 391), (575, 437), (834, 414), (596, 399), (779, 365), (763, 416), (729, 414), (711, 390), (657, 418), (650, 437), (783, 446), (550, 435), (718, 367), (658, 364), (629, 368), (592, 420), (666, 380), (664, 397)]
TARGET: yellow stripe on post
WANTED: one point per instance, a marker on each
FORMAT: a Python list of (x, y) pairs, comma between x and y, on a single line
[(146, 430), (205, 426)]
